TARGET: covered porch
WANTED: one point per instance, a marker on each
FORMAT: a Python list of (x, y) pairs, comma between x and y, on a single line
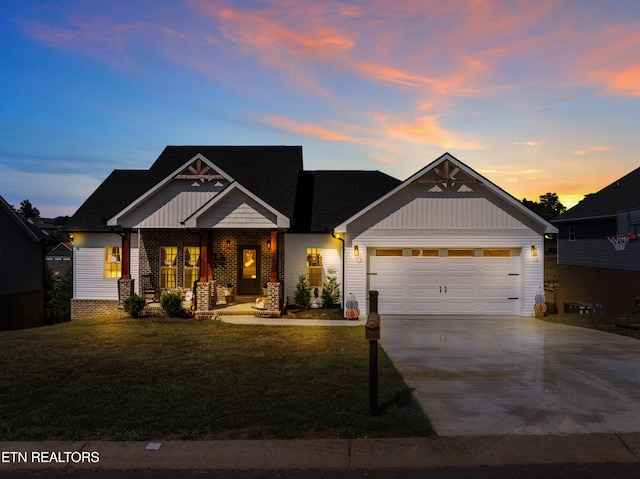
[(215, 267)]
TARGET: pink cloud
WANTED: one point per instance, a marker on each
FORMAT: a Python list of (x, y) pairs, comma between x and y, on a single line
[(426, 129), (306, 129), (611, 63)]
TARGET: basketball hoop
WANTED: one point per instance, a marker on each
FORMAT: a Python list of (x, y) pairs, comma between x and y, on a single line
[(620, 241)]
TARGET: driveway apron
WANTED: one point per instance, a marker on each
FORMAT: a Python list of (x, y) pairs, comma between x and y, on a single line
[(516, 375)]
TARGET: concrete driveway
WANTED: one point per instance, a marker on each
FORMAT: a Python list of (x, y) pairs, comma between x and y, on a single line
[(516, 375)]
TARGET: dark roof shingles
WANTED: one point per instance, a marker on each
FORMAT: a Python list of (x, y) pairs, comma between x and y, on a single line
[(621, 195)]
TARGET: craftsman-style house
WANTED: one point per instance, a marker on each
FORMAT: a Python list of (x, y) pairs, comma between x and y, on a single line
[(251, 218)]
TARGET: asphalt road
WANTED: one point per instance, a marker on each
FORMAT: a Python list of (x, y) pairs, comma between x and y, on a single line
[(558, 471)]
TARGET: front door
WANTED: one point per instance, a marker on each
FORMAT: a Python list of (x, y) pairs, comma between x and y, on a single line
[(249, 270)]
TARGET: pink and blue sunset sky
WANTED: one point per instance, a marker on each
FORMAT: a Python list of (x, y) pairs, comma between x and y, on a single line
[(538, 96)]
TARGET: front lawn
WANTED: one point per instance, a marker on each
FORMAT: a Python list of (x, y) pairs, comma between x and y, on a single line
[(128, 379), (624, 324)]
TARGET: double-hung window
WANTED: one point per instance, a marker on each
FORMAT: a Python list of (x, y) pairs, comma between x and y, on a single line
[(112, 261), (168, 269), (191, 265), (314, 266)]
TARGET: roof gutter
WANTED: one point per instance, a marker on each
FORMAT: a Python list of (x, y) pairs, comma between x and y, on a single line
[(333, 233), (585, 218)]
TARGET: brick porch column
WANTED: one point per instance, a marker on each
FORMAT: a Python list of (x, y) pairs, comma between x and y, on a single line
[(125, 289), (274, 292), (126, 254), (203, 296)]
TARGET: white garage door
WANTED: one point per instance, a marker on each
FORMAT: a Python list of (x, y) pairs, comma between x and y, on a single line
[(446, 281)]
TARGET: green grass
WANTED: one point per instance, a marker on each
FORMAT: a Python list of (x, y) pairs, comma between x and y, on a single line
[(128, 379), (625, 325)]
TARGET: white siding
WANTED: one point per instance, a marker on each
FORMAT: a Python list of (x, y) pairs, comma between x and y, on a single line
[(295, 247), (356, 279), (88, 265)]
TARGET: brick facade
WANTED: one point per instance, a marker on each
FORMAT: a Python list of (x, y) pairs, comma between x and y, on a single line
[(90, 308), (224, 251)]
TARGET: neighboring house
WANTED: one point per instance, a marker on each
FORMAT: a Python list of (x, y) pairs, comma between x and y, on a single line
[(446, 241), (253, 217), (59, 260), (22, 295), (591, 272)]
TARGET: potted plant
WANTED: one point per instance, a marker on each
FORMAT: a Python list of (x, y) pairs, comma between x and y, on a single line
[(228, 291)]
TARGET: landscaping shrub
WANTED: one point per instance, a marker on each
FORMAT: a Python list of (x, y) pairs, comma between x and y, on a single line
[(134, 305), (172, 304), (58, 296), (331, 290), (302, 294)]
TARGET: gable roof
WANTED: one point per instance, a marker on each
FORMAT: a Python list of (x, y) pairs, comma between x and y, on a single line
[(269, 172), (118, 190), (621, 195), (460, 174), (30, 230), (327, 198)]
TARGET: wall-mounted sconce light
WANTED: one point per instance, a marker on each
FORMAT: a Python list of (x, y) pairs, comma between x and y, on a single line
[(534, 253), (228, 243), (71, 238), (268, 243), (356, 251)]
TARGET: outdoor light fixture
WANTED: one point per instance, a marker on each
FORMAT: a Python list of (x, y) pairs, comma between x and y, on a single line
[(269, 243), (228, 243), (534, 253), (356, 251)]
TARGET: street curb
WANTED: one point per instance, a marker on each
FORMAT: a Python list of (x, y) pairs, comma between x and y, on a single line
[(384, 453)]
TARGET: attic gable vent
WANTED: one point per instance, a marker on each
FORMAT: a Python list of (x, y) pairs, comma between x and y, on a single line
[(199, 171)]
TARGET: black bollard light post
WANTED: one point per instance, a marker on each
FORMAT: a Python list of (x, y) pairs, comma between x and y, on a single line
[(372, 333)]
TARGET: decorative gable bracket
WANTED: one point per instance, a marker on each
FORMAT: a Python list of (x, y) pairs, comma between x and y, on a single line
[(448, 175)]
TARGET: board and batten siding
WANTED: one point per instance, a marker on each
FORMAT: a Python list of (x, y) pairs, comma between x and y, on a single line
[(88, 265), (450, 213), (170, 206), (295, 247)]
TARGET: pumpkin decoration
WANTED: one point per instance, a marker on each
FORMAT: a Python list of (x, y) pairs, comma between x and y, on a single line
[(351, 305), (353, 313), (540, 308), (540, 305)]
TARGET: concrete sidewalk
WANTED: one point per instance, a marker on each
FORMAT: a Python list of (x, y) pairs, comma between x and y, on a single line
[(321, 453)]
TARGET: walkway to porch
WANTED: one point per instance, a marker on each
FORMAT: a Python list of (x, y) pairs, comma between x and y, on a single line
[(233, 309)]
